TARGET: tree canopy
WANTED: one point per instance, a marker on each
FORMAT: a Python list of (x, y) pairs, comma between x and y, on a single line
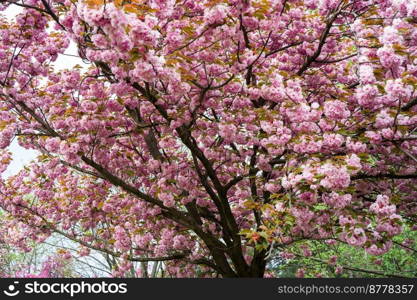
[(208, 134)]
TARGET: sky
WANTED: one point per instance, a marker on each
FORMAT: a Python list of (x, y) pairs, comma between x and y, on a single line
[(20, 155)]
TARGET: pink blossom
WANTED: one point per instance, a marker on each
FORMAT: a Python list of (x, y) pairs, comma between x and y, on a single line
[(336, 110), (366, 74), (335, 177), (337, 201)]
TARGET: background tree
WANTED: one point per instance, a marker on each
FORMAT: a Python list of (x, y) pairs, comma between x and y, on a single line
[(206, 134), (336, 259)]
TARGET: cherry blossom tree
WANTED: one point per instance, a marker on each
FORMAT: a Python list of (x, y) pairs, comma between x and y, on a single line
[(206, 134)]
